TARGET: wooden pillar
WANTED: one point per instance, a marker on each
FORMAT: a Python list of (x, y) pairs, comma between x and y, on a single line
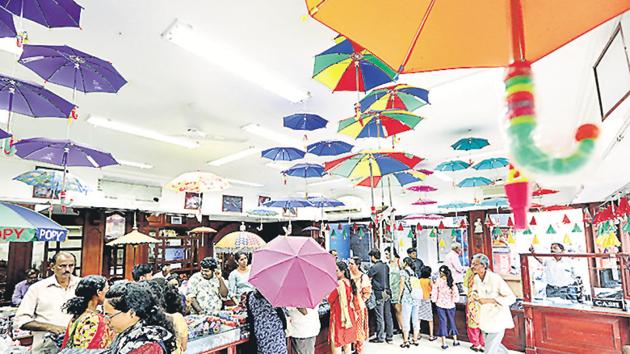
[(93, 242), (20, 258), (481, 242)]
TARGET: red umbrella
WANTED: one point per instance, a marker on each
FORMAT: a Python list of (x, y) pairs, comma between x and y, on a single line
[(556, 208), (541, 191), (293, 272)]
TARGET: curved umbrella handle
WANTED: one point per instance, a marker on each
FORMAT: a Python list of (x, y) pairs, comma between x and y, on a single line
[(521, 115), (8, 146)]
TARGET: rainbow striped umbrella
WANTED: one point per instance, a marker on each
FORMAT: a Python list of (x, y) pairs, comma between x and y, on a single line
[(395, 179), (400, 96), (379, 124), (349, 67), (18, 224)]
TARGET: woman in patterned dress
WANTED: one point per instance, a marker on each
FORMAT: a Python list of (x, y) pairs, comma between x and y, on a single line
[(342, 330), (88, 328), (472, 313), (268, 323), (364, 289)]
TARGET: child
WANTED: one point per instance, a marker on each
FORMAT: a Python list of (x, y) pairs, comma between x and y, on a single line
[(472, 313), (426, 312), (444, 294)]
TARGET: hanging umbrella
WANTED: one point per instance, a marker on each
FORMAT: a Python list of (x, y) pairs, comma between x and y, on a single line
[(135, 237), (542, 191), (329, 148), (239, 241), (467, 144), (202, 230), (310, 229), (399, 96), (491, 163), (379, 124), (64, 153), (323, 202), (424, 202), (7, 26), (305, 170), (288, 203), (283, 154), (198, 182), (71, 68), (261, 212), (19, 224), (348, 67), (474, 182), (48, 13), (424, 188), (478, 34), (450, 166), (423, 217), (304, 121), (495, 202), (456, 205), (396, 179), (51, 179), (293, 272), (4, 135)]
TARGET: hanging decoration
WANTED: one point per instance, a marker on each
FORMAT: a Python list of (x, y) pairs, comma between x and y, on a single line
[(345, 234), (587, 219), (433, 233), (535, 240), (400, 227), (355, 227), (410, 234), (442, 243), (518, 191), (510, 223), (626, 227), (624, 207), (527, 232), (551, 230), (566, 220), (576, 228), (489, 222), (453, 233), (441, 226), (496, 232), (332, 234), (511, 240), (566, 240), (419, 227), (533, 221), (339, 227), (462, 224), (327, 227)]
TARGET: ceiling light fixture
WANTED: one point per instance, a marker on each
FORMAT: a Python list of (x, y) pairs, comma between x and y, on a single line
[(139, 131), (134, 164), (329, 181), (235, 156), (244, 183), (272, 135), (239, 64)]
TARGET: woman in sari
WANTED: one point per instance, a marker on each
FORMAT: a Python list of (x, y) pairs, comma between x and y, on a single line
[(342, 332), (364, 289), (88, 328), (472, 313)]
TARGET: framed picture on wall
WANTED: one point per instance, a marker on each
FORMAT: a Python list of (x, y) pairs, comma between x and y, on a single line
[(192, 201), (232, 204), (262, 200)]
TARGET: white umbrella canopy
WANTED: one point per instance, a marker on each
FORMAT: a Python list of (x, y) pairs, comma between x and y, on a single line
[(135, 237)]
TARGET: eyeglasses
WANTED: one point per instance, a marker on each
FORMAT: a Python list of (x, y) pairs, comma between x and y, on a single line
[(110, 317)]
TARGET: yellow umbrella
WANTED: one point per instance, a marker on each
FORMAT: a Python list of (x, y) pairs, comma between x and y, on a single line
[(198, 182), (239, 241)]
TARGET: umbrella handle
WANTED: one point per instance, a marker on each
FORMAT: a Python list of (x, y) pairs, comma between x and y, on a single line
[(522, 123)]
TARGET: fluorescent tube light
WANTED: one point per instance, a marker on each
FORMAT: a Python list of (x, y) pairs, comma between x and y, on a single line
[(238, 63), (233, 157), (139, 131), (329, 181), (272, 135), (134, 164), (244, 183)]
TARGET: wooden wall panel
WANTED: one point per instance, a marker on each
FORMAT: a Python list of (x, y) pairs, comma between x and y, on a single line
[(514, 338), (93, 242), (479, 243)]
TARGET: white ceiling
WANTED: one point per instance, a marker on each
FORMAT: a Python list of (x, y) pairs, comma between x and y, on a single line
[(171, 90)]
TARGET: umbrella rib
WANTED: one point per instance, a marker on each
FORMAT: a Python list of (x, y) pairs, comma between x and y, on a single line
[(416, 36), (40, 10), (25, 100)]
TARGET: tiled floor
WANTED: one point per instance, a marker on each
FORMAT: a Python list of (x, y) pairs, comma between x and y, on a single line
[(425, 347)]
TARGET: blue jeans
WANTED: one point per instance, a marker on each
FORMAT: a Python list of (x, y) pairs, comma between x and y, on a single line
[(446, 325), (384, 320)]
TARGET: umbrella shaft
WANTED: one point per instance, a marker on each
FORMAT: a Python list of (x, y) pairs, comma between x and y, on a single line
[(518, 37)]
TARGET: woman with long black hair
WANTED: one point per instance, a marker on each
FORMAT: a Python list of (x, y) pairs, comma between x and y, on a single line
[(343, 326), (88, 328), (139, 321), (445, 294)]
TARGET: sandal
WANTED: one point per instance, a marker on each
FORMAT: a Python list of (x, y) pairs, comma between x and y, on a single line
[(444, 346), (431, 339), (455, 344), (405, 345), (415, 342)]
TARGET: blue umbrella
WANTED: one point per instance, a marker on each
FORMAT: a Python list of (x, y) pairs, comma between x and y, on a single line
[(329, 148), (305, 121), (474, 182), (283, 154), (470, 144), (288, 203), (19, 224), (455, 165), (495, 202), (456, 205), (323, 202), (7, 27), (49, 13), (492, 163), (305, 170)]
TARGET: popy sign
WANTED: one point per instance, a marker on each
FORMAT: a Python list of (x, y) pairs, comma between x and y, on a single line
[(51, 234), (13, 233)]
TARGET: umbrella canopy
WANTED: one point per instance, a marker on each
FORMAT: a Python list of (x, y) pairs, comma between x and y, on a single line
[(310, 229), (135, 237), (424, 202), (288, 203), (542, 191), (239, 241), (323, 202), (71, 68), (491, 163), (261, 212), (198, 182), (467, 144), (4, 135), (283, 154), (424, 188), (62, 153), (31, 99), (329, 148), (495, 202), (18, 224), (399, 96), (293, 272), (49, 13), (455, 165), (7, 26), (202, 230), (456, 205), (423, 217), (305, 170), (348, 67), (394, 179), (474, 182), (379, 124), (52, 180), (379, 162), (304, 121)]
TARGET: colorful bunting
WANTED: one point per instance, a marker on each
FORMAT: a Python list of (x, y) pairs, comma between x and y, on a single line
[(566, 219), (624, 207), (453, 232), (510, 223), (332, 233), (566, 240), (462, 224), (361, 234), (419, 227), (345, 234), (400, 227), (410, 234), (327, 227), (441, 226), (551, 230), (442, 243), (535, 241), (433, 233), (355, 227), (511, 239), (533, 221), (576, 228), (626, 227), (339, 227), (527, 232)]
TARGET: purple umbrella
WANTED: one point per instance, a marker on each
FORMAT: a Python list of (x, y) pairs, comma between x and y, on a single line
[(49, 13), (4, 135), (7, 27), (72, 68), (62, 153), (31, 100)]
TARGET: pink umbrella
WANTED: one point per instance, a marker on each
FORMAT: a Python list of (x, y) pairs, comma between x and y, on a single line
[(293, 272), (423, 202), (422, 188)]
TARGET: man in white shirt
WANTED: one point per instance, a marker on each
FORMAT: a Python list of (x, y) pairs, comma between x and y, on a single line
[(453, 262), (40, 310), (558, 273), (495, 297), (303, 327)]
